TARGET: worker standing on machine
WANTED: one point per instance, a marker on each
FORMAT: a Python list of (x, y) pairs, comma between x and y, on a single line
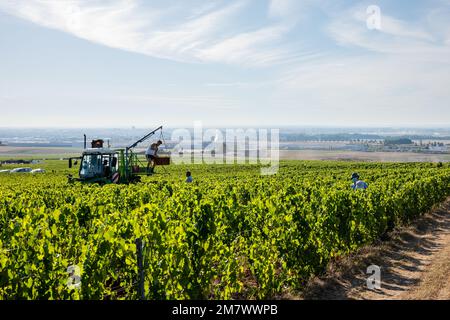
[(151, 154)]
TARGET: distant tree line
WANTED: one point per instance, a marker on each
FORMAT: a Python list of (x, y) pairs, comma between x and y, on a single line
[(400, 140), (328, 137), (405, 139)]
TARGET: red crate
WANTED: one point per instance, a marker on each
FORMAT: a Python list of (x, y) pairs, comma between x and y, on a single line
[(162, 161)]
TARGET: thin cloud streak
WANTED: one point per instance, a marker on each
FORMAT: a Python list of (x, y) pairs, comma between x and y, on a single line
[(262, 59), (395, 37), (211, 34)]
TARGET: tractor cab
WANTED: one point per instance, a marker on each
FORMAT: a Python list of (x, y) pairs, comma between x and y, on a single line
[(97, 164)]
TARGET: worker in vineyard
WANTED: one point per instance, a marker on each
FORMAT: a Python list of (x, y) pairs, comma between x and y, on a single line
[(189, 177), (151, 154), (357, 183)]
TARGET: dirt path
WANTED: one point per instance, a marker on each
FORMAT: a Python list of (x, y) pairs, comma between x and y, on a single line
[(415, 264)]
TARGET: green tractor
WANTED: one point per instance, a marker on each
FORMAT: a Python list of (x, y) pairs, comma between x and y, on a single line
[(104, 165)]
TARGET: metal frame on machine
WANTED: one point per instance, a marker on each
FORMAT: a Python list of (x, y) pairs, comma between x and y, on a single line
[(131, 159)]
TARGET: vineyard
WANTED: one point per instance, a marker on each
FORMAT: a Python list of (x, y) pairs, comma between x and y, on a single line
[(231, 234)]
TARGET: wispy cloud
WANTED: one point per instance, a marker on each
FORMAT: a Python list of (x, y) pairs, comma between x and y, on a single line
[(293, 10), (378, 75), (211, 32), (250, 48), (309, 61), (282, 8), (409, 39)]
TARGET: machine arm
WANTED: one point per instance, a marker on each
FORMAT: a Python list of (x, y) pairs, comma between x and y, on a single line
[(144, 138)]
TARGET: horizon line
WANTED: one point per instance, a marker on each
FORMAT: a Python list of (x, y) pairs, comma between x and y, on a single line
[(224, 126)]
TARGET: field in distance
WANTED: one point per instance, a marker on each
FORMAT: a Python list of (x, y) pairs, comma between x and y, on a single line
[(13, 152)]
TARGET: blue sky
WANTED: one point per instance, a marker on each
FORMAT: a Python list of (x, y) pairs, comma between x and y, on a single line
[(254, 63)]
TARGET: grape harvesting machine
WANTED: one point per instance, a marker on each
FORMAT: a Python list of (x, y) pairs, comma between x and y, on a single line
[(104, 165)]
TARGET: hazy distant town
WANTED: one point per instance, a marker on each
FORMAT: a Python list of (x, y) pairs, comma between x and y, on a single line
[(415, 140)]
